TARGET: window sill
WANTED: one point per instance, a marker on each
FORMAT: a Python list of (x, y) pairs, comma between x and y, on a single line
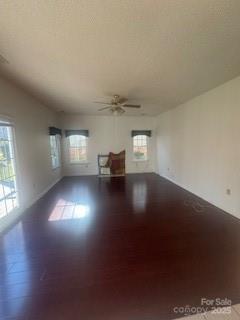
[(54, 169), (140, 160), (80, 163)]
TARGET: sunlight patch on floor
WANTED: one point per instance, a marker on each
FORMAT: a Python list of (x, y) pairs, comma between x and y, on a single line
[(65, 210)]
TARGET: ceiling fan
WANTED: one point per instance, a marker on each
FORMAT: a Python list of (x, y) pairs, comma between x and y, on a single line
[(117, 105)]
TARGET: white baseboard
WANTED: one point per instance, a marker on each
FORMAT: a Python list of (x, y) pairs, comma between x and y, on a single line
[(96, 173), (184, 187), (235, 215), (15, 214), (40, 195)]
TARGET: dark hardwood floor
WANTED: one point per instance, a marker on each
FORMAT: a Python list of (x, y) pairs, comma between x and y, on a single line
[(128, 248)]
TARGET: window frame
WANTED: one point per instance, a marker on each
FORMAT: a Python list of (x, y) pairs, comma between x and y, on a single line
[(58, 148), (7, 122), (69, 147), (147, 149)]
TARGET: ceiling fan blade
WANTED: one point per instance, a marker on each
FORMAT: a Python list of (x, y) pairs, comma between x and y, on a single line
[(122, 111), (107, 103), (122, 100), (103, 108), (132, 106)]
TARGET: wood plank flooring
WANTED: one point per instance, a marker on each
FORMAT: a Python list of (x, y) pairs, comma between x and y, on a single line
[(123, 248)]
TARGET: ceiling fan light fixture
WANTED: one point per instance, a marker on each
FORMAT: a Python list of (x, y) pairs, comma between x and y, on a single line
[(117, 111)]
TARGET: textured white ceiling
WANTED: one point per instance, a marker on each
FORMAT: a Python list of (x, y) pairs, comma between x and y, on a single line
[(159, 53)]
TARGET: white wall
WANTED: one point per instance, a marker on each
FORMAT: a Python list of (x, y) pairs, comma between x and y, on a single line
[(199, 146), (108, 133), (31, 120)]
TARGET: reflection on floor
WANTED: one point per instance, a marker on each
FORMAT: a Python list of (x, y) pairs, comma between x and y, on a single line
[(66, 210), (132, 247)]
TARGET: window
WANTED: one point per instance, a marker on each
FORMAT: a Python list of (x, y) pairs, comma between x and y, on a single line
[(140, 147), (77, 148), (8, 185), (55, 151)]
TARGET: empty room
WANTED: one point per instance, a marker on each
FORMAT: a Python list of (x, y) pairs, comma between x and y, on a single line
[(119, 159)]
